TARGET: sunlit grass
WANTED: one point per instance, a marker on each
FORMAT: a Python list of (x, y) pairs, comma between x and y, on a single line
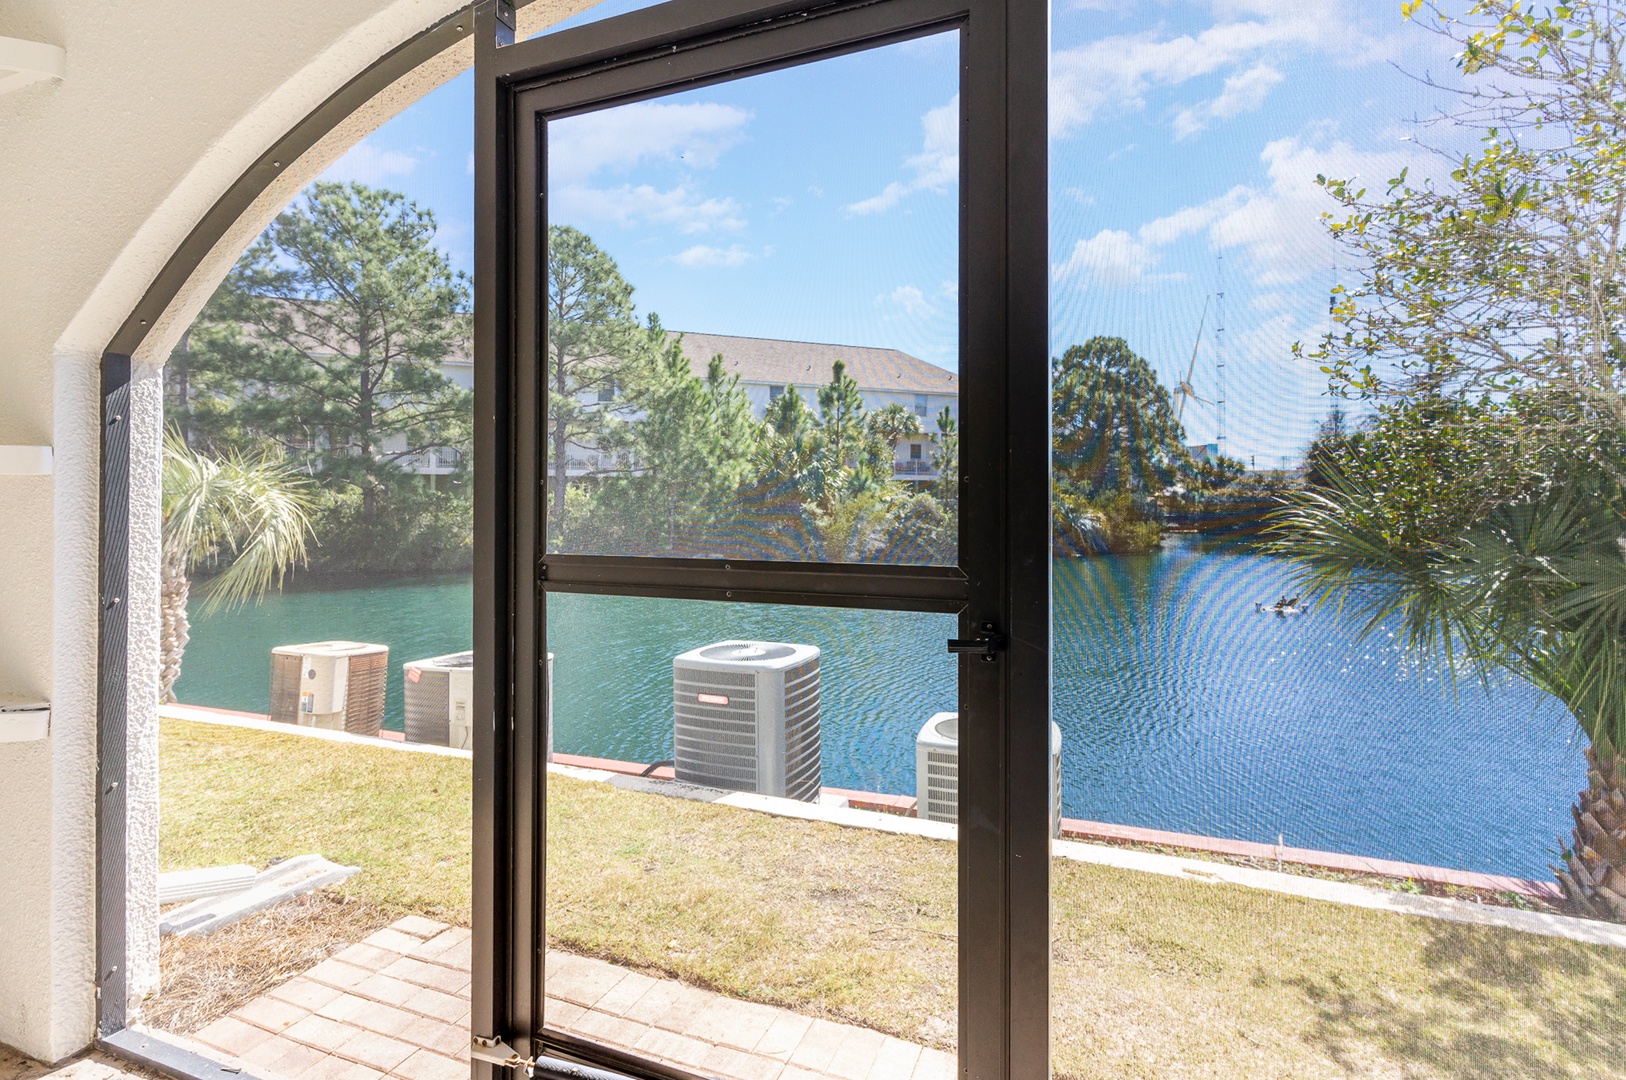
[(1154, 977)]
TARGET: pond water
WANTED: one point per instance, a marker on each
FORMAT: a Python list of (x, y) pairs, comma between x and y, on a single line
[(1180, 707)]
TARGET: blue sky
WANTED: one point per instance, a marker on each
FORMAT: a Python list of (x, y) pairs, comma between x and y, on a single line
[(819, 203)]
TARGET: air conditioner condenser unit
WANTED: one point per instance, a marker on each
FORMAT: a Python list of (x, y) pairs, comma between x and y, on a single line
[(439, 701), (746, 718), (336, 685), (937, 771)]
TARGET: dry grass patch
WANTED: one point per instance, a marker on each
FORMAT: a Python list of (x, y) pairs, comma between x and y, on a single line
[(206, 977), (1154, 977)]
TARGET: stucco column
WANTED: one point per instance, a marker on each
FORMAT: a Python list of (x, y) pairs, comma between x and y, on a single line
[(141, 799)]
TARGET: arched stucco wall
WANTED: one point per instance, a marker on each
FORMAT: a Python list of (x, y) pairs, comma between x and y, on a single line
[(164, 107)]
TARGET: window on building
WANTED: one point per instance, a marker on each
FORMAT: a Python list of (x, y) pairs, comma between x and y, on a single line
[(775, 393), (921, 406), (606, 392), (914, 451)]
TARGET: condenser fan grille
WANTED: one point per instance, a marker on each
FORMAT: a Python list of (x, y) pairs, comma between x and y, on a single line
[(747, 651)]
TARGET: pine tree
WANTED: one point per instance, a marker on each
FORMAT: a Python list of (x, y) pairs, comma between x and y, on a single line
[(327, 338), (1115, 428), (595, 346)]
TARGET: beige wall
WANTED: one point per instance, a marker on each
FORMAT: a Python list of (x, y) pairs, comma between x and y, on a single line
[(103, 173)]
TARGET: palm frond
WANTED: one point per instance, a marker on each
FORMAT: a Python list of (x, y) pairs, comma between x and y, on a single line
[(252, 514), (1536, 587)]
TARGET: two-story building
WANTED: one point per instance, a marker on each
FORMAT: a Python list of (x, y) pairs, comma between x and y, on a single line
[(767, 367)]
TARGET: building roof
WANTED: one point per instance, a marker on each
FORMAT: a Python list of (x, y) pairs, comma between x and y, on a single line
[(807, 364)]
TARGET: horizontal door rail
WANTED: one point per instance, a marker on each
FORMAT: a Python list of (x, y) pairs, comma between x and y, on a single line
[(666, 30), (917, 588), (562, 1051)]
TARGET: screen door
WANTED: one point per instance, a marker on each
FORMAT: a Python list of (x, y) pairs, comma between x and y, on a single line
[(763, 541)]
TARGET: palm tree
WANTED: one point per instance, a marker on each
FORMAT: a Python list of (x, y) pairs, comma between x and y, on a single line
[(1534, 587), (249, 515), (890, 426)]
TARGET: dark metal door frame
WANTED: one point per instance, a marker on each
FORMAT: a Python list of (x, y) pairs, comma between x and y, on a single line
[(1004, 571)]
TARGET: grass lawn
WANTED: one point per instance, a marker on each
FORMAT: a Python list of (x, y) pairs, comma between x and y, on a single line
[(1154, 977)]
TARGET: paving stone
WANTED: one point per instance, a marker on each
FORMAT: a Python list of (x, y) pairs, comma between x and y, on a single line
[(232, 1035), (320, 1032), (818, 1047), (674, 1048), (419, 926), (283, 1057), (616, 1030), (625, 993), (337, 1068), (434, 976), (896, 1061), (377, 1051), (783, 1034), (451, 937), (272, 1014), (737, 1065), (935, 1065), (371, 957), (373, 1009), (390, 991), (561, 1014), (858, 1050), (681, 1012), (392, 940), (424, 1065), (451, 1040), (583, 982), (739, 1024), (448, 1007), (306, 993), (371, 1015), (459, 956), (338, 973)]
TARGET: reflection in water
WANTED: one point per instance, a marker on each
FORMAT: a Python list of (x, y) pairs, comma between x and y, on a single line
[(1181, 707)]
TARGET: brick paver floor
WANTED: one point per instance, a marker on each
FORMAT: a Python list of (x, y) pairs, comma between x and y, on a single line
[(397, 1005), (91, 1066)]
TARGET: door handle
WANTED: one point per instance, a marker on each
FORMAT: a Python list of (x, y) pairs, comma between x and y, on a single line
[(986, 644)]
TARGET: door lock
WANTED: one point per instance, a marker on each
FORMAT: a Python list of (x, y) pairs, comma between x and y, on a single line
[(988, 643)]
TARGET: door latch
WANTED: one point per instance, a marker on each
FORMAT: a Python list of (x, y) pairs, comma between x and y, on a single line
[(986, 644)]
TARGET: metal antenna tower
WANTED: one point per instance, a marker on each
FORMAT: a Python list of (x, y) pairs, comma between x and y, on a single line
[(1219, 355)]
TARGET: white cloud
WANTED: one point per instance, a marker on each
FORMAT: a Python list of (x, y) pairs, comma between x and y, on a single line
[(704, 255), (1191, 219), (583, 148), (1242, 93), (680, 207), (1113, 74), (935, 168), (697, 134), (1111, 258), (912, 301), (1277, 227), (1280, 227), (368, 164)]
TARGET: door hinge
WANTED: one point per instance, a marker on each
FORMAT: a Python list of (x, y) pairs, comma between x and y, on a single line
[(495, 1051)]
